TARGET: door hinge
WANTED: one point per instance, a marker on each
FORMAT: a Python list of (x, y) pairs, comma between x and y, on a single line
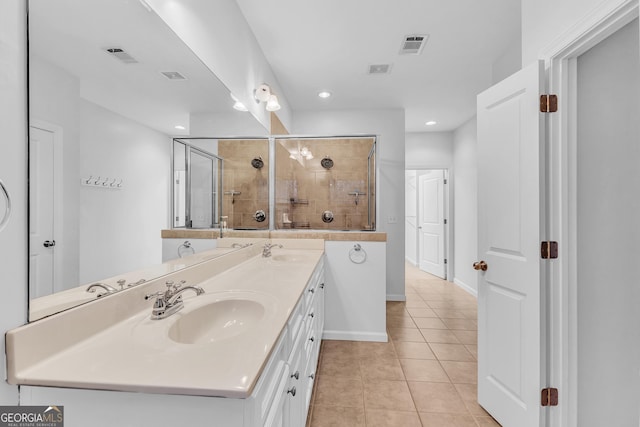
[(445, 181), (548, 103), (445, 260), (445, 221), (549, 397), (549, 250)]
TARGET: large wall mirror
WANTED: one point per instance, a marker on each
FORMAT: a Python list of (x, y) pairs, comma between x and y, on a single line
[(110, 85)]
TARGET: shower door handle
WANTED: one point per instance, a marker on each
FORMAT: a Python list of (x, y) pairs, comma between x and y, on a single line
[(7, 208)]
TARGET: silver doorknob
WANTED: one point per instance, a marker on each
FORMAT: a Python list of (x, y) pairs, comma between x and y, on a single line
[(480, 266), (49, 243)]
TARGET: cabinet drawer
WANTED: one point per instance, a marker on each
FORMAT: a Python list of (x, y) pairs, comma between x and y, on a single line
[(268, 386)]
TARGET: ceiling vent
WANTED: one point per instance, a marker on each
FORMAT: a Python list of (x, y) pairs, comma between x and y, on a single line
[(173, 75), (413, 44), (121, 55), (380, 69)]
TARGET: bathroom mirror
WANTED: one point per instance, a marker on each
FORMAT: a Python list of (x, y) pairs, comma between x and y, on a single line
[(110, 85)]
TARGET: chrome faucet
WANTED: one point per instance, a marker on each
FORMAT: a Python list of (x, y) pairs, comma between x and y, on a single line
[(170, 301), (266, 251), (110, 289), (240, 245)]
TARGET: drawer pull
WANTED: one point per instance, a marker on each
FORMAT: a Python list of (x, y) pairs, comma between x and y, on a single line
[(311, 339), (312, 376), (296, 375), (292, 391), (311, 314), (312, 290), (321, 285)]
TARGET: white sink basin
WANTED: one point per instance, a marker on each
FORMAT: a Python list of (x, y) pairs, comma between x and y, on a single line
[(289, 257), (217, 321)]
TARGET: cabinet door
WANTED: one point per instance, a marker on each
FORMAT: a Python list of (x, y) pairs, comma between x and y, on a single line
[(278, 413)]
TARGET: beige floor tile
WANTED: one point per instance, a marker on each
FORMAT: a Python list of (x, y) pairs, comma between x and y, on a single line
[(335, 416), (375, 350), (338, 391), (421, 312), (406, 334), (423, 370), (469, 395), (400, 322), (446, 420), (436, 397), (470, 314), (439, 336), (445, 313), (464, 324), (487, 421), (461, 372), (381, 369), (429, 323), (416, 304), (395, 307), (340, 366), (447, 303), (466, 337), (386, 418), (456, 352), (413, 350), (473, 349), (383, 394)]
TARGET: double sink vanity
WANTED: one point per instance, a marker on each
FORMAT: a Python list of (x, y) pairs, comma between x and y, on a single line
[(229, 341)]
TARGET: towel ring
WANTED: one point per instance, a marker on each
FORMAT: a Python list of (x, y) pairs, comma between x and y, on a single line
[(185, 249), (7, 207), (357, 254)]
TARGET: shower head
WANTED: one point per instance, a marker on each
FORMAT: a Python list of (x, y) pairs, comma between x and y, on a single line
[(327, 162), (257, 162)]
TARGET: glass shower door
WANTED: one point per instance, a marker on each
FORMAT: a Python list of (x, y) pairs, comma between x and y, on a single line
[(202, 185)]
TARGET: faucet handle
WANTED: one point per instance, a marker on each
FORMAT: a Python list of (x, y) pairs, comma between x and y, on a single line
[(179, 284), (153, 295)]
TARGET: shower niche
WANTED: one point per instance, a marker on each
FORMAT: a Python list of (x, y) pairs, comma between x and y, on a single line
[(325, 183), (319, 183)]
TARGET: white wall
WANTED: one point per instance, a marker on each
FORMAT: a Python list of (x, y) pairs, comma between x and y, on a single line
[(545, 20), (13, 173), (225, 124), (54, 99), (218, 33), (608, 236), (465, 213), (390, 160), (429, 150), (508, 63), (120, 229)]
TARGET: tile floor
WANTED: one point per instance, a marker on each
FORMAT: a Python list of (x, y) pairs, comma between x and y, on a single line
[(424, 376)]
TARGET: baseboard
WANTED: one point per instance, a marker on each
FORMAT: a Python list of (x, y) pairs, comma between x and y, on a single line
[(355, 336), (391, 297), (411, 261), (466, 287)]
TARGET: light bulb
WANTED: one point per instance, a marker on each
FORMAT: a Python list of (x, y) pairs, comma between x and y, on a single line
[(273, 104)]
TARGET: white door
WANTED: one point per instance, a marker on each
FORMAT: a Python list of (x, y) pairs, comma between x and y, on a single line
[(510, 220), (431, 220), (41, 199), (411, 217)]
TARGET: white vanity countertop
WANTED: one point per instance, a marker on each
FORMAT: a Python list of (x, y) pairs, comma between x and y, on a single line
[(137, 353)]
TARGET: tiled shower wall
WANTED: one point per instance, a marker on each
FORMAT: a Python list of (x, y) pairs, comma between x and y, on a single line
[(304, 189), (240, 176)]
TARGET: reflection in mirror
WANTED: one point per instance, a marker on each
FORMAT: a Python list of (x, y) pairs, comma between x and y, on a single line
[(326, 183), (109, 86)]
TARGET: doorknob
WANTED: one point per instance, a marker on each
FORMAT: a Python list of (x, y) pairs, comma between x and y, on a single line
[(480, 266), (49, 243)]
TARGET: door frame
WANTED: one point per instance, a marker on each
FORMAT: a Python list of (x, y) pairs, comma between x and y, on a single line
[(58, 188), (448, 210), (561, 63)]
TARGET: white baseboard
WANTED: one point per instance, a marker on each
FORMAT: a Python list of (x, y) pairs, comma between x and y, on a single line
[(411, 261), (466, 287), (391, 297), (355, 336)]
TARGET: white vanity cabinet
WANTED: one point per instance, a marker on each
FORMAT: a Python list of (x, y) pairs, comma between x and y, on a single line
[(291, 365)]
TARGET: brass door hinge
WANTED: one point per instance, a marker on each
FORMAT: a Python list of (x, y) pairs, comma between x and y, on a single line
[(549, 397), (549, 250), (548, 103)]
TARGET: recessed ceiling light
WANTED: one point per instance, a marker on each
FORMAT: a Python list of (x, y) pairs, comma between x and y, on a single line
[(179, 127), (431, 123), (324, 94)]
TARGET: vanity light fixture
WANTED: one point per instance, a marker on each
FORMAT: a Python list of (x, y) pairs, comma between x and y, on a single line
[(431, 123), (263, 94), (324, 94)]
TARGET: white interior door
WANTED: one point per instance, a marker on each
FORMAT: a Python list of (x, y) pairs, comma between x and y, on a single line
[(41, 200), (510, 338), (411, 217), (431, 220)]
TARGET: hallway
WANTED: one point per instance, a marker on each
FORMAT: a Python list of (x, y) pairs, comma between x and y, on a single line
[(425, 376)]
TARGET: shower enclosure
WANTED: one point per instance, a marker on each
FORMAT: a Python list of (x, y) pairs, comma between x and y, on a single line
[(320, 183)]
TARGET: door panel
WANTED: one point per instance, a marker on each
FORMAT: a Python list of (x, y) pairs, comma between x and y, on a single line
[(431, 217), (510, 203)]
